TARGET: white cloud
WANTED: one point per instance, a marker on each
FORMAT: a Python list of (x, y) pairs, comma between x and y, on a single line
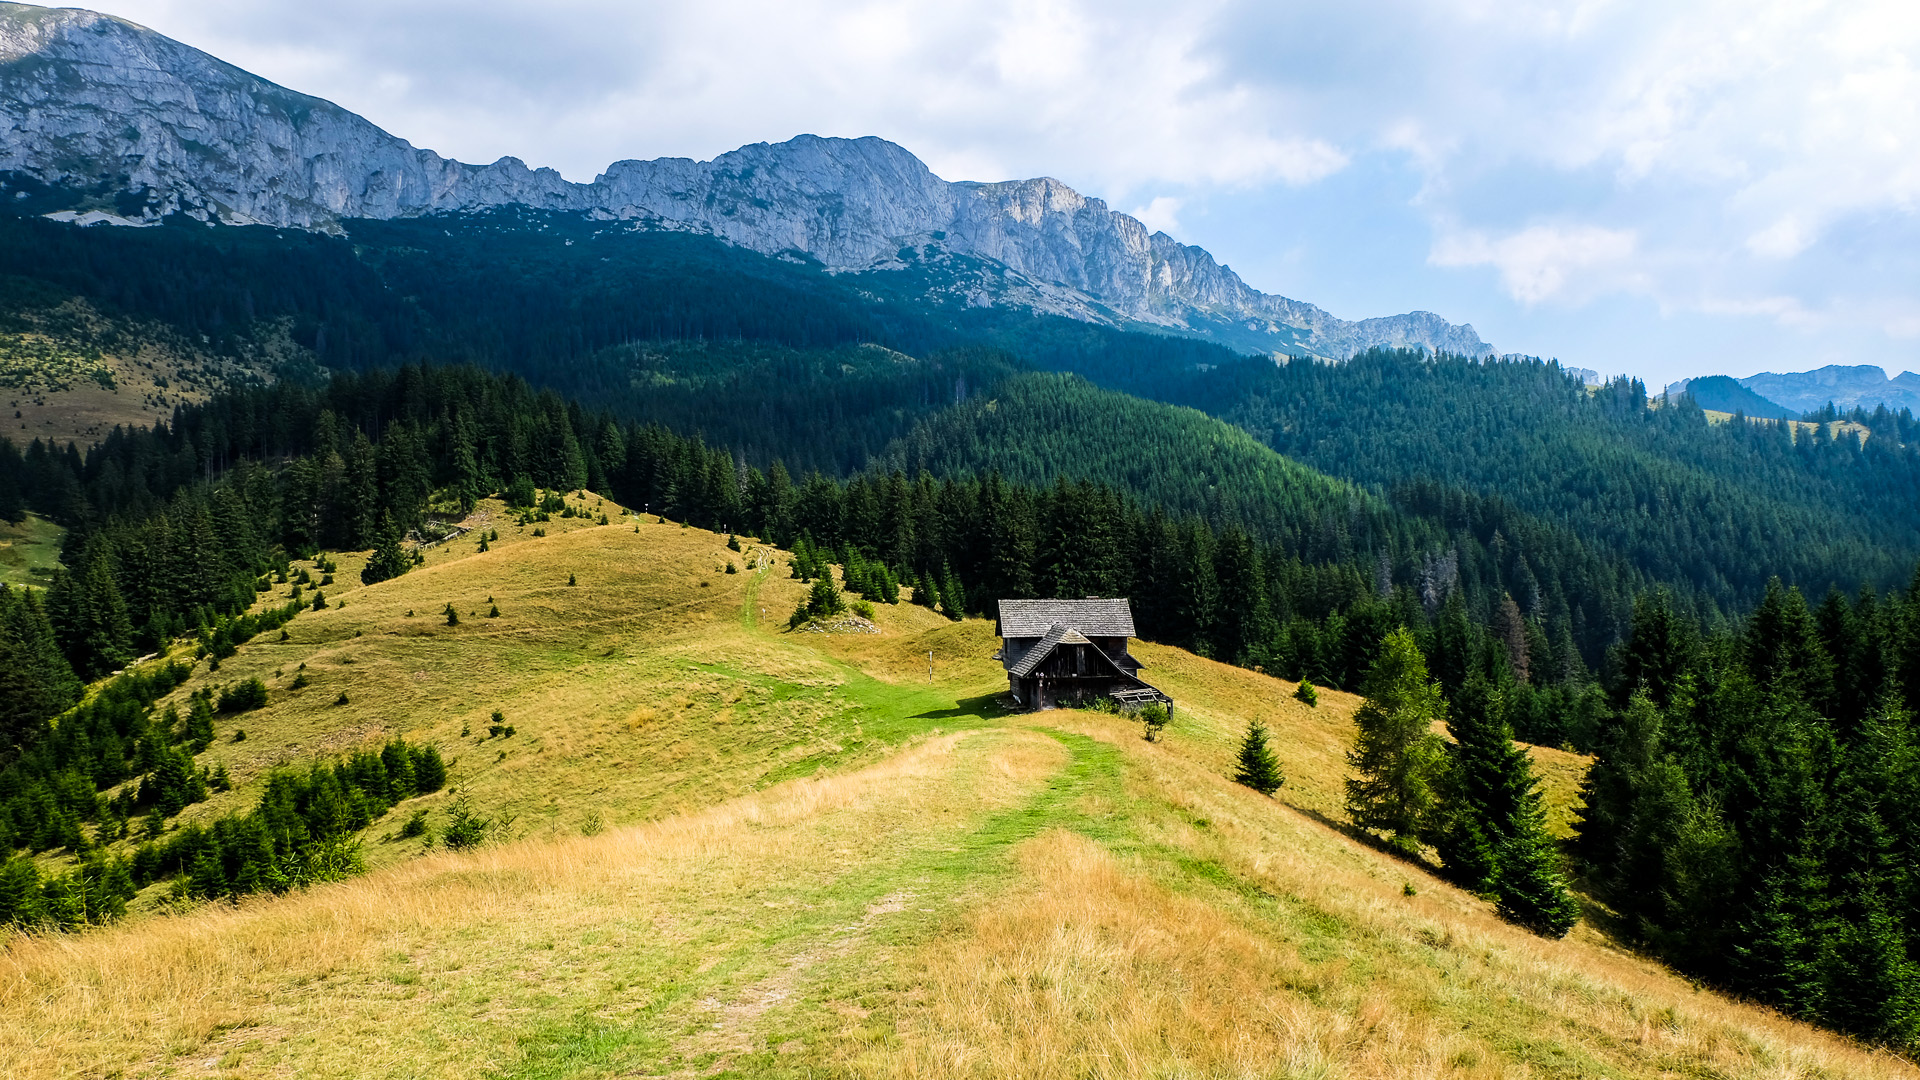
[(1544, 262), (1111, 98), (1160, 215), (1737, 159)]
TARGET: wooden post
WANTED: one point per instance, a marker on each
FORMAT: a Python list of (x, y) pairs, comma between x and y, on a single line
[(929, 667)]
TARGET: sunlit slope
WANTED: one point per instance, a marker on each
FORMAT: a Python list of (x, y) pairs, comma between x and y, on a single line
[(820, 860), (1036, 428), (656, 682)]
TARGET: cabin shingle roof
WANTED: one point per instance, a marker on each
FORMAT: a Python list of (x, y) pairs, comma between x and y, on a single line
[(1058, 634), (1095, 618)]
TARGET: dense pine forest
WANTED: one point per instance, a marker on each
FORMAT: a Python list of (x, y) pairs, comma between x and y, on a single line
[(1573, 566), (1746, 815), (1713, 510), (772, 358)]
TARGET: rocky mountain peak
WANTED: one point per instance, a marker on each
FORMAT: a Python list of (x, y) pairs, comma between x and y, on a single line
[(96, 102)]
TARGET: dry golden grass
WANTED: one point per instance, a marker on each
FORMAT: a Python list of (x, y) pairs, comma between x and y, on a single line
[(614, 685), (152, 368), (817, 874), (1799, 429), (440, 966), (1298, 954)]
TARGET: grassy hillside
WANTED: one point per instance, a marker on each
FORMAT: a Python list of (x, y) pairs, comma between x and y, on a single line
[(29, 551), (69, 372), (737, 850)]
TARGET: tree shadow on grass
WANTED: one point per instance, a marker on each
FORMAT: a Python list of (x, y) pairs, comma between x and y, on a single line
[(1361, 836), (979, 707)]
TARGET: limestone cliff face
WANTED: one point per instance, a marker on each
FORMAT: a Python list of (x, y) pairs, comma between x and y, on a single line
[(95, 102)]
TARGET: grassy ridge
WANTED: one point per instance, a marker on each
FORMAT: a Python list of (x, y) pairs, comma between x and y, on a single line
[(809, 857)]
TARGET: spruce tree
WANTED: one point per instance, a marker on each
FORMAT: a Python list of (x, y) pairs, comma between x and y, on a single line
[(1527, 881), (953, 602), (1306, 694), (389, 560), (1490, 786), (20, 897), (1396, 760), (1258, 768)]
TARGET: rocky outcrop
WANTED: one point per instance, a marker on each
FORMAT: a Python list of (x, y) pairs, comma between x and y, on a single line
[(96, 102)]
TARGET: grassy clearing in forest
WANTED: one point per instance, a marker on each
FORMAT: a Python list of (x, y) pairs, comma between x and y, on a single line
[(809, 859), (29, 551)]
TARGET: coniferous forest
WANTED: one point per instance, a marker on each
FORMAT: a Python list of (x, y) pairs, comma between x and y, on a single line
[(1726, 616)]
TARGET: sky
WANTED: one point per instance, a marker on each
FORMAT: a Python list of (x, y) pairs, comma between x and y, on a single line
[(1660, 188)]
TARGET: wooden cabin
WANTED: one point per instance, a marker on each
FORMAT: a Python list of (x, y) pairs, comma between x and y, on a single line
[(1072, 653)]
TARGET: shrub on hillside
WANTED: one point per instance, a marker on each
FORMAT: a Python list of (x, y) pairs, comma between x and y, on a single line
[(241, 697), (465, 829)]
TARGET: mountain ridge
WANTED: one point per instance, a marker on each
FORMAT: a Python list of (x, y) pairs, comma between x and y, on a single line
[(1845, 386), (160, 128)]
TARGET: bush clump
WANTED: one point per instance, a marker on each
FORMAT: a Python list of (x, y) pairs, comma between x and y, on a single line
[(243, 697)]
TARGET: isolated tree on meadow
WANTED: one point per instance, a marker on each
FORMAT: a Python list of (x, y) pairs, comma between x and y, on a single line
[(1258, 768)]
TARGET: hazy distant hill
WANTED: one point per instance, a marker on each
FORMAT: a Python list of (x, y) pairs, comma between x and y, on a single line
[(1845, 386), (1725, 394)]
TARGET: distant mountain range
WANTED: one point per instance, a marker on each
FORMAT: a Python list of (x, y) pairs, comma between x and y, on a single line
[(139, 127), (1845, 386), (1778, 396)]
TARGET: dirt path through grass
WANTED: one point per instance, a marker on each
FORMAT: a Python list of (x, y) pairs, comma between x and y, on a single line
[(784, 995), (659, 949)]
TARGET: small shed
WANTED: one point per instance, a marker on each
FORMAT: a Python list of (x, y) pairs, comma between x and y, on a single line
[(1071, 652)]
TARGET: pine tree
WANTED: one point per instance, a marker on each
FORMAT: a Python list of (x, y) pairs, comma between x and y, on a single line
[(199, 730), (1512, 631), (1658, 654), (1527, 881), (1490, 787), (953, 602), (823, 601), (1396, 760), (398, 764), (1258, 768), (1782, 648), (389, 560), (20, 897), (1306, 694), (429, 770), (205, 877)]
